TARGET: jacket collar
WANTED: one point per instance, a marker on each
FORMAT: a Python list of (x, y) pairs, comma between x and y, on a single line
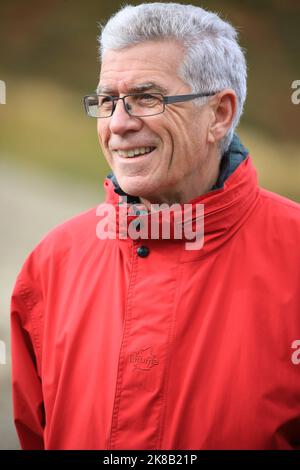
[(231, 159), (226, 206)]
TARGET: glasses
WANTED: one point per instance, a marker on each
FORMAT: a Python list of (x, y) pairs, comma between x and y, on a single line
[(135, 104)]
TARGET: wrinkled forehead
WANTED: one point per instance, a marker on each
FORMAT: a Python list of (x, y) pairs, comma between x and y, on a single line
[(153, 65), (134, 86)]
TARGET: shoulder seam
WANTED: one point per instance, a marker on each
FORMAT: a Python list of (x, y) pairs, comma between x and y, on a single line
[(30, 302), (283, 203)]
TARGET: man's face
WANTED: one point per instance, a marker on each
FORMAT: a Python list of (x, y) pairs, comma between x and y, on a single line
[(175, 171)]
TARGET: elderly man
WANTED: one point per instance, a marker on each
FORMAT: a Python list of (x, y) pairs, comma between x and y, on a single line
[(123, 341)]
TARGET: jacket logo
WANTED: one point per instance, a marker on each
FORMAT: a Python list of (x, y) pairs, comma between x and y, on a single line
[(144, 359)]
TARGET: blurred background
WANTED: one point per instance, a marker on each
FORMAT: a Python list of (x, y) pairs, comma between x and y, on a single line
[(50, 160)]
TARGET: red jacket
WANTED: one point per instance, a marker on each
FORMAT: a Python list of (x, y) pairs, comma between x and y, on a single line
[(179, 349)]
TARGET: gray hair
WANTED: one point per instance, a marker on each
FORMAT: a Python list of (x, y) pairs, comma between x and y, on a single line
[(213, 59)]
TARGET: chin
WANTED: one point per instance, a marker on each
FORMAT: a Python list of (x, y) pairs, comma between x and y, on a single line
[(136, 186)]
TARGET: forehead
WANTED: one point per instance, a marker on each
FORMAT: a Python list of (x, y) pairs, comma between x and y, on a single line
[(152, 62)]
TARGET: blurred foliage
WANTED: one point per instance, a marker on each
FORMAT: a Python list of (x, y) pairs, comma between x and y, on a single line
[(45, 125), (49, 60)]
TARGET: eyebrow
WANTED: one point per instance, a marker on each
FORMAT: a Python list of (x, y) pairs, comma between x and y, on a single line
[(138, 88)]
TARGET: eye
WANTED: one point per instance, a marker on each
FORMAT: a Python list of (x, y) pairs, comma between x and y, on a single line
[(148, 100), (105, 102), (93, 101), (147, 97), (104, 99)]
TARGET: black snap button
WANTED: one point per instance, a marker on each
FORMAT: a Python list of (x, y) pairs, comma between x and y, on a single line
[(143, 251), (137, 224)]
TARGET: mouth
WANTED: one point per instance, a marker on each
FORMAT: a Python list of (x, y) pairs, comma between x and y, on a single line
[(134, 153)]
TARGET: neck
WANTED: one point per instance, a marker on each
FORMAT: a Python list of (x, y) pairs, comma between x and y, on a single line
[(190, 189)]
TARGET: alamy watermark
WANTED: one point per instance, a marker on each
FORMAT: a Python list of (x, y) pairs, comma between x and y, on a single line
[(296, 354), (295, 97), (2, 92), (2, 353), (178, 221)]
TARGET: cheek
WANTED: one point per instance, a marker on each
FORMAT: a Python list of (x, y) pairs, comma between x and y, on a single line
[(187, 150), (171, 134), (102, 134), (103, 141), (179, 130)]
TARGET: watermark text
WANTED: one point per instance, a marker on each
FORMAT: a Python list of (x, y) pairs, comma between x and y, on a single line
[(296, 354), (2, 92), (161, 222), (2, 353), (295, 97)]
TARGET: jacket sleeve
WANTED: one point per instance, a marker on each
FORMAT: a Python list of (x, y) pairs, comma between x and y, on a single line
[(28, 407)]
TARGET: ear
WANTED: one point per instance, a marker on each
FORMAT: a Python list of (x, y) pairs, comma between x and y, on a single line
[(223, 106)]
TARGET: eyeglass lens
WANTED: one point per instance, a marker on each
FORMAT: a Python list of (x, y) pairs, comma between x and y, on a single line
[(136, 105)]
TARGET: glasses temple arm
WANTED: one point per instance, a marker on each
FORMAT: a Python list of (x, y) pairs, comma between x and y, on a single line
[(180, 98)]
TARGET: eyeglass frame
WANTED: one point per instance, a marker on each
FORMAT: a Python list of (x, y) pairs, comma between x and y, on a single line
[(165, 100)]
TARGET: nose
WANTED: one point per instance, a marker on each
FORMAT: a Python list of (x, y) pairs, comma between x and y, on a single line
[(121, 122)]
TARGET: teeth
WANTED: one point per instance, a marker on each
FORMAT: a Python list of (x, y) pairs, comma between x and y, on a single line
[(134, 152)]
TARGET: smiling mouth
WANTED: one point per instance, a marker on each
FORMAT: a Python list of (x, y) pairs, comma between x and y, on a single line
[(135, 153)]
